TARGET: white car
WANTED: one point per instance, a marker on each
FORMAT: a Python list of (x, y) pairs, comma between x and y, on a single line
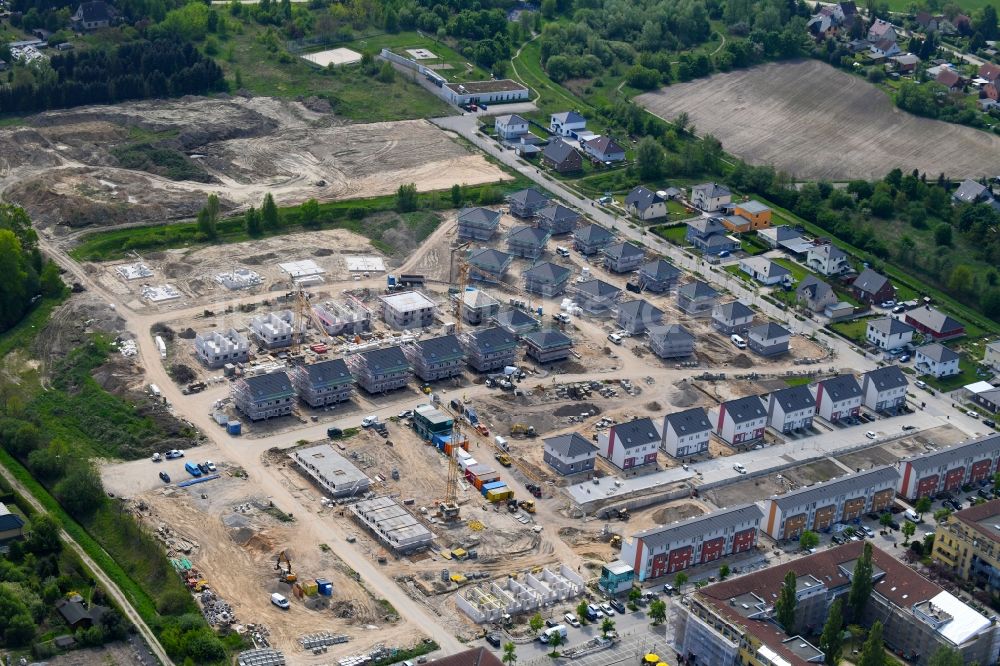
[(615, 338), (157, 457), (210, 465), (369, 421), (174, 453), (871, 434), (740, 468), (571, 620), (972, 413), (920, 384), (280, 601)]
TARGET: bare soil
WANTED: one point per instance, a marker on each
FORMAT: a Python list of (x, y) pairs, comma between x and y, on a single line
[(814, 121)]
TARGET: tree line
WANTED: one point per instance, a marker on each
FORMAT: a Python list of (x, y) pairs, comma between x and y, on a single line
[(27, 276)]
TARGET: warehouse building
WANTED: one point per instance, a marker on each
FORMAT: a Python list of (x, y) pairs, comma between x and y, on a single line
[(819, 506), (332, 471), (324, 383)]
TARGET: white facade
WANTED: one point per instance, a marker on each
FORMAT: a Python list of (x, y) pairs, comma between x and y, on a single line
[(565, 124), (792, 419), (931, 366), (215, 349), (631, 444), (740, 421), (834, 408), (692, 441), (827, 259), (408, 309), (510, 127), (992, 356), (710, 197), (886, 334)]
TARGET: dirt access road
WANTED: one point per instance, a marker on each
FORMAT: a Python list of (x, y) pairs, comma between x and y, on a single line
[(109, 585), (816, 122)]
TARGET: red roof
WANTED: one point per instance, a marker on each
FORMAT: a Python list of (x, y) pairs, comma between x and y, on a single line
[(989, 71), (475, 657), (975, 515), (948, 78)]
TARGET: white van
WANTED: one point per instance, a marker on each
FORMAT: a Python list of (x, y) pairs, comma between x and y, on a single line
[(615, 338), (558, 629), (738, 341), (561, 251), (912, 516)]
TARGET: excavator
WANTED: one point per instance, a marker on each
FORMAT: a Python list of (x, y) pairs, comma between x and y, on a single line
[(285, 575)]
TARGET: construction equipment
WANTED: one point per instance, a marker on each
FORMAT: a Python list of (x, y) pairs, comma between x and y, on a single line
[(284, 575), (616, 541), (448, 509), (527, 505), (522, 430), (503, 459), (512, 505)]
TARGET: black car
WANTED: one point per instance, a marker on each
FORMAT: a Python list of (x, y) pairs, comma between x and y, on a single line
[(837, 539), (493, 639), (943, 495), (952, 504), (982, 492), (550, 623), (989, 423), (203, 467), (617, 605), (893, 525), (165, 477), (334, 433)]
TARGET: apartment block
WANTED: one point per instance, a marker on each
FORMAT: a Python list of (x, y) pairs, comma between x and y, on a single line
[(215, 349), (263, 397), (950, 468), (435, 358), (380, 370), (324, 383)]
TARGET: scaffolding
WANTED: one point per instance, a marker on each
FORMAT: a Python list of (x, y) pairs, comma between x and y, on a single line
[(489, 602), (352, 317), (380, 370), (435, 358)]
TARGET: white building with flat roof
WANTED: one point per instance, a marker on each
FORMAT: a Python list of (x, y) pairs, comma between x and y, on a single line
[(408, 309), (215, 348)]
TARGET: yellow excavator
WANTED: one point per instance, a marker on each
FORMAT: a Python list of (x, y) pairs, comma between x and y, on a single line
[(285, 575)]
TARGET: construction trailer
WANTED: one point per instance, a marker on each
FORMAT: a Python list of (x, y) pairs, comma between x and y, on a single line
[(408, 309), (489, 349), (264, 396), (274, 330), (324, 383), (435, 358), (392, 524), (490, 602), (215, 349), (352, 317), (477, 306), (334, 473), (430, 422), (380, 370)]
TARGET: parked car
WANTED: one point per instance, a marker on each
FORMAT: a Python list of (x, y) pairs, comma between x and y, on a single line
[(211, 466), (617, 605), (888, 304), (668, 588), (406, 414), (369, 421), (908, 428), (972, 414), (905, 358), (165, 477), (174, 453), (952, 504), (280, 601), (334, 433), (920, 384), (493, 639), (989, 423), (837, 539), (871, 434), (867, 530), (608, 609), (724, 254), (157, 457), (203, 467), (740, 468), (615, 338), (549, 622), (571, 620), (899, 309)]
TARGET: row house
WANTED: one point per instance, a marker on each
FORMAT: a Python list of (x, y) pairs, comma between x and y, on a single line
[(740, 422), (630, 445), (667, 549), (949, 469), (262, 397), (380, 370), (885, 389), (819, 506), (837, 398), (686, 433), (792, 408)]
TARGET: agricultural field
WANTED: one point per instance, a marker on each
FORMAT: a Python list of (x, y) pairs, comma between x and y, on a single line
[(798, 116)]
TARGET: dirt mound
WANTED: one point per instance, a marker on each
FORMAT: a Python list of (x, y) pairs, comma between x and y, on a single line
[(685, 396), (260, 542), (258, 259), (670, 514), (742, 361)]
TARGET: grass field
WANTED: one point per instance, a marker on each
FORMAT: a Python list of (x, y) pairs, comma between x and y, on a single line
[(967, 6), (853, 330), (459, 68), (966, 376), (552, 97), (675, 234)]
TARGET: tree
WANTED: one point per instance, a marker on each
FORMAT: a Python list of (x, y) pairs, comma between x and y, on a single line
[(456, 195), (942, 234), (923, 505), (941, 514), (679, 580), (581, 611), (536, 623), (80, 491), (873, 652), (960, 279), (406, 198), (251, 220), (831, 642), (657, 611), (650, 157), (269, 213), (808, 540), (908, 530), (44, 535), (724, 572), (784, 607), (206, 225), (885, 519), (861, 583), (607, 626), (509, 657), (309, 211), (634, 594), (946, 656), (555, 640)]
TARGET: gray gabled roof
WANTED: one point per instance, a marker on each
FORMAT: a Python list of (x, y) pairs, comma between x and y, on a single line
[(526, 235), (766, 267), (707, 225), (890, 326), (598, 289), (869, 281), (592, 233), (814, 287), (990, 444), (96, 10), (558, 213), (570, 445), (671, 332), (489, 259), (569, 117), (938, 353), (623, 251), (385, 360), (604, 145), (548, 338), (886, 378), (828, 250), (692, 528), (934, 319), (782, 232), (639, 432), (642, 198), (333, 371), (660, 270), (794, 398), (493, 339), (768, 331), (547, 272), (511, 119), (273, 384), (970, 191), (712, 190), (745, 409), (841, 387), (694, 420), (640, 309), (482, 216), (830, 490), (528, 197), (440, 349), (696, 289), (8, 520), (559, 151), (732, 311)]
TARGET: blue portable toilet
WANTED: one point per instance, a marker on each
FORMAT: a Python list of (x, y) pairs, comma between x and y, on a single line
[(234, 428), (325, 587)]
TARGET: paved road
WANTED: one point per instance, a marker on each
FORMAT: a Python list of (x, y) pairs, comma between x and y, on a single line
[(109, 585)]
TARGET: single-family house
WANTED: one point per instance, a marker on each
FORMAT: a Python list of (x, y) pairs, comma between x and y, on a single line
[(885, 48), (990, 72), (709, 235), (562, 157), (527, 242), (765, 271), (814, 294), (477, 223), (791, 408), (92, 15), (557, 219), (510, 127), (324, 383), (827, 259), (821, 26), (888, 333), (488, 265), (758, 214), (711, 197), (623, 257), (880, 30), (566, 123), (905, 63), (768, 339), (547, 345), (516, 321), (645, 204), (546, 279), (972, 192), (603, 149), (659, 276), (931, 321), (11, 525), (636, 316), (670, 341), (76, 614), (872, 287), (527, 202), (732, 317), (740, 422), (685, 433), (984, 394), (477, 306), (591, 239), (696, 298), (775, 236), (569, 454), (837, 398), (936, 360), (489, 349), (885, 389), (950, 79), (596, 297), (631, 444)]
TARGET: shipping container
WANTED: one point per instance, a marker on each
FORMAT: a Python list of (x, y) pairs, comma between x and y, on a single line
[(325, 587), (310, 588), (490, 485), (467, 463), (499, 494)]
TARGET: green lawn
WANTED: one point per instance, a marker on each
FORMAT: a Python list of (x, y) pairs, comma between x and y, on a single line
[(968, 6), (673, 234), (552, 97), (457, 67), (798, 381), (966, 376), (853, 330)]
